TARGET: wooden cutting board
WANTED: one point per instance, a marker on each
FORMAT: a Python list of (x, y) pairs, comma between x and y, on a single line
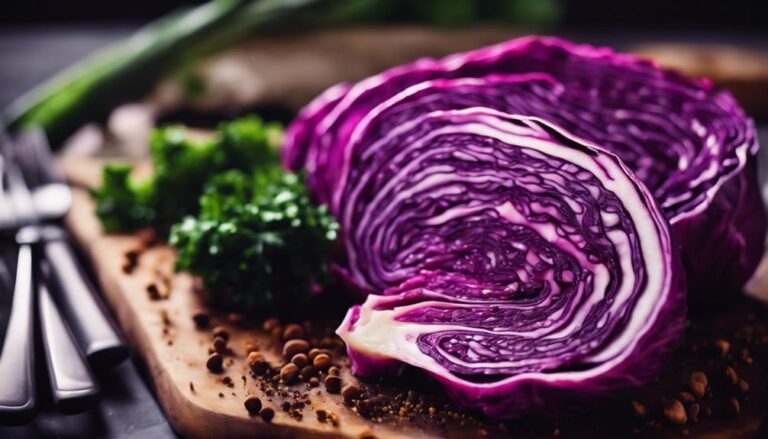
[(196, 402)]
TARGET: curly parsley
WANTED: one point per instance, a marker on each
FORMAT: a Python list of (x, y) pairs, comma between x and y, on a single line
[(246, 227)]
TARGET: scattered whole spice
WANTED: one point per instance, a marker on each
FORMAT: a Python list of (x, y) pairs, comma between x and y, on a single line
[(332, 384), (723, 347), (300, 360), (731, 375), (257, 363), (270, 324), (220, 345), (127, 268), (202, 319), (308, 371), (293, 347), (153, 291), (350, 392), (236, 318), (251, 347), (693, 412), (686, 398), (147, 236), (289, 372), (638, 409), (215, 363), (252, 405), (314, 381), (674, 412), (314, 352), (164, 317), (746, 356), (293, 331), (733, 406), (267, 414), (322, 415), (322, 361), (131, 261), (698, 384), (743, 386), (222, 332)]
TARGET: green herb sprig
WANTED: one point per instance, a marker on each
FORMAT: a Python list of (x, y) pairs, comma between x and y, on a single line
[(242, 224), (181, 169), (259, 242)]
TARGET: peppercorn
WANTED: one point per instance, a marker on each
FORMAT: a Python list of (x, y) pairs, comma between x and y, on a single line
[(300, 360), (220, 345), (292, 332), (293, 347), (674, 412), (215, 363), (332, 384), (289, 372), (222, 332), (351, 392), (253, 405), (202, 319), (321, 361)]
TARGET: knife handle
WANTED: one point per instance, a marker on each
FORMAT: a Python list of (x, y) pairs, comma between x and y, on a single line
[(87, 318), (17, 365), (73, 386)]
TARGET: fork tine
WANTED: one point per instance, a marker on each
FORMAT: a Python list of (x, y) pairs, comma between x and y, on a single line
[(36, 157), (25, 158), (6, 278), (7, 215)]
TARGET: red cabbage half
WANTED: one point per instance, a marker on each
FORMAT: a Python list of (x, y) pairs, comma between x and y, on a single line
[(688, 142), (534, 272), (513, 210)]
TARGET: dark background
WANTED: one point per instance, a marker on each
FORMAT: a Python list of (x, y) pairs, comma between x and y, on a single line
[(694, 14)]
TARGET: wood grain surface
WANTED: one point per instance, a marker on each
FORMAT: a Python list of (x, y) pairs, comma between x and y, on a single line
[(175, 353)]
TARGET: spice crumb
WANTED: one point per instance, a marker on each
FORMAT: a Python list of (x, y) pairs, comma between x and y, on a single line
[(222, 332), (202, 319)]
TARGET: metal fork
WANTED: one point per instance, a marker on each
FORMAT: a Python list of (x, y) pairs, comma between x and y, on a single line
[(73, 387), (17, 390), (86, 315)]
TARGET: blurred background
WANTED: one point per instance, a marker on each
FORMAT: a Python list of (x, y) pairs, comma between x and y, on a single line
[(702, 14), (219, 72)]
